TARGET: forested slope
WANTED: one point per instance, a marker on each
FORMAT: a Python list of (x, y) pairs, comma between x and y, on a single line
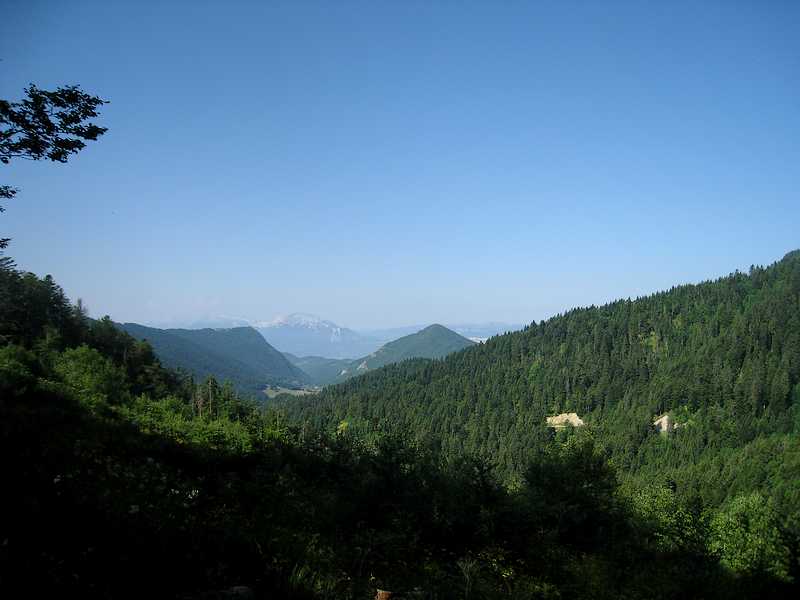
[(124, 480), (247, 346), (433, 341), (239, 355), (723, 357)]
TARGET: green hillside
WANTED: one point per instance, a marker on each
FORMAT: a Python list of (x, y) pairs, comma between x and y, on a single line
[(248, 346), (125, 480), (722, 358), (240, 355), (434, 341)]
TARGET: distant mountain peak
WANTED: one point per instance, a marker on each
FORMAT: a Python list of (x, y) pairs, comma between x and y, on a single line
[(306, 320), (305, 334)]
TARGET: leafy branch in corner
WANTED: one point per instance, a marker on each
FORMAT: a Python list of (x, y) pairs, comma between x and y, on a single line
[(46, 124)]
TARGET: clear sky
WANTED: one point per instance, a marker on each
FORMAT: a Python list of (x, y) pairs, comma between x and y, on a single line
[(389, 163)]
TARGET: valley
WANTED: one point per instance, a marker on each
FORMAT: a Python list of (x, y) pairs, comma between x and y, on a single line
[(434, 341), (277, 391), (669, 422), (243, 357)]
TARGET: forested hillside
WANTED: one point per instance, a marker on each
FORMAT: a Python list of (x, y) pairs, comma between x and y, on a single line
[(434, 341), (722, 358), (124, 480), (239, 355)]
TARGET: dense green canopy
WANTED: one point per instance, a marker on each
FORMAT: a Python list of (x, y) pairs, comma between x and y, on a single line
[(125, 480), (722, 358)]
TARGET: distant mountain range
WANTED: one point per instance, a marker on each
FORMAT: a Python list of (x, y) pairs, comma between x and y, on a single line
[(306, 335), (434, 341), (239, 355), (242, 355)]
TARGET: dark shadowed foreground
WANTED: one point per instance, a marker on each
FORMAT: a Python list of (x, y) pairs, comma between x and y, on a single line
[(122, 480)]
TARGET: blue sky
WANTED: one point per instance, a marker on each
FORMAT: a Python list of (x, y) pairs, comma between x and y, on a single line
[(388, 163)]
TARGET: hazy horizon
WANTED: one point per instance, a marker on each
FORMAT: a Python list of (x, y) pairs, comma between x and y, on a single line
[(384, 165), (207, 320), (227, 321)]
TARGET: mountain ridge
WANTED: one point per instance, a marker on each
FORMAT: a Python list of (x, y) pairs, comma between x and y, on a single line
[(305, 334), (433, 341), (239, 354), (722, 356)]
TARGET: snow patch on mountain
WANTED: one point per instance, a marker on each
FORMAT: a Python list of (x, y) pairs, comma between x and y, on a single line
[(306, 320)]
